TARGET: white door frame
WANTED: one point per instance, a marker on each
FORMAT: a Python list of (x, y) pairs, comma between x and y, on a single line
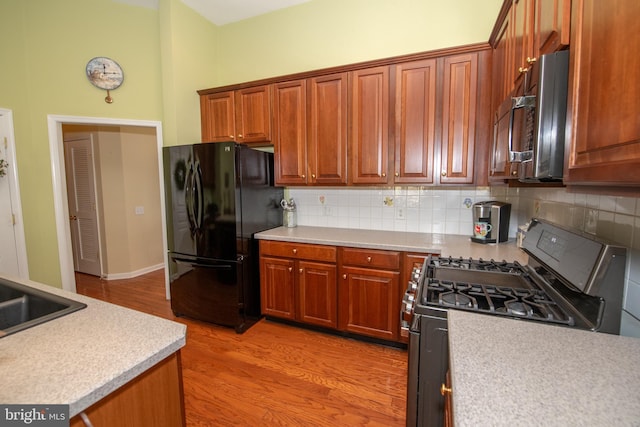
[(16, 205), (56, 148)]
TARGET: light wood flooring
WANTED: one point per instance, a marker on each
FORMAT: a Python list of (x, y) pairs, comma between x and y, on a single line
[(273, 374)]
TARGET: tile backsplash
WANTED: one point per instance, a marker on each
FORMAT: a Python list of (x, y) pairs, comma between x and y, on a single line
[(448, 210)]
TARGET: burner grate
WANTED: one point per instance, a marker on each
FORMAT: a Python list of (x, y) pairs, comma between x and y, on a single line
[(533, 304)]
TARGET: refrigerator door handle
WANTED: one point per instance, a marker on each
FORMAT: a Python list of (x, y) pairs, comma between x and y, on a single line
[(201, 264)]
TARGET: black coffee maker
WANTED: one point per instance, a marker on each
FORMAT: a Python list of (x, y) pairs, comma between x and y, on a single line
[(491, 222)]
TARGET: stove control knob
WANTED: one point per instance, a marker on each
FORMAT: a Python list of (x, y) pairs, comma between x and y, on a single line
[(413, 286)]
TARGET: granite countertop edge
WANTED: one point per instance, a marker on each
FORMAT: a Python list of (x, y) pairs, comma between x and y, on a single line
[(436, 243)]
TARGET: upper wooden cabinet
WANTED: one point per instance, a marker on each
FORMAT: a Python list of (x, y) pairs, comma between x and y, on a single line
[(604, 89), (459, 119), (290, 132), (404, 120), (327, 131), (243, 115), (415, 122), (369, 128), (526, 29), (310, 131), (217, 117)]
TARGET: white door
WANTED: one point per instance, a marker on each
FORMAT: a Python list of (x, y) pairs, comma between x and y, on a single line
[(83, 217), (13, 253)]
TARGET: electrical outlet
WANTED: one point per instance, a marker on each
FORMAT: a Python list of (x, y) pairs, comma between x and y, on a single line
[(139, 210), (400, 213)]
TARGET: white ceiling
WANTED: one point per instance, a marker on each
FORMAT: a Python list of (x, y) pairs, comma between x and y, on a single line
[(222, 12)]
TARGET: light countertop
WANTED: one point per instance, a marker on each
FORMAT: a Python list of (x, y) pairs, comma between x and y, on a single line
[(80, 358), (443, 244), (507, 372)]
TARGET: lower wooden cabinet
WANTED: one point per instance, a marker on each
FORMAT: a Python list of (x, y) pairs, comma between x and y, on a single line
[(298, 282), (353, 290), (155, 398)]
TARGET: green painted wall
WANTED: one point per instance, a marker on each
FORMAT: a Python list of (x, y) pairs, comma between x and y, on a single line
[(326, 33), (169, 53), (46, 45)]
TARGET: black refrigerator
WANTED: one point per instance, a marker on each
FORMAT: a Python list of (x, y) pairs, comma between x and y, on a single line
[(218, 195)]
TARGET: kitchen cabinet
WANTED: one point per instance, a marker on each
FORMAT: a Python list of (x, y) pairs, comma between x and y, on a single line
[(327, 134), (298, 282), (242, 115), (369, 292), (290, 132), (310, 131), (459, 119), (524, 30), (415, 122), (369, 126), (151, 399), (604, 88), (437, 120)]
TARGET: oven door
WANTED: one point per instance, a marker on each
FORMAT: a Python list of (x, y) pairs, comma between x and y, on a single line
[(428, 365)]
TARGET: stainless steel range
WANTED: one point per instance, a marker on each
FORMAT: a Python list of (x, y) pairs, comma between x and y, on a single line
[(571, 280)]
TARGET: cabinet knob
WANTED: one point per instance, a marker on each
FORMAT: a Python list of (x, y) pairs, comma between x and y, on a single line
[(384, 174), (290, 269), (369, 259), (231, 136), (239, 135), (522, 70), (303, 176), (295, 251), (313, 176), (531, 60), (514, 173), (300, 271), (344, 276), (444, 390), (397, 174), (444, 173)]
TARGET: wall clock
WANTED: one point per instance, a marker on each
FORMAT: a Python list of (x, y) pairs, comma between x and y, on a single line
[(105, 73)]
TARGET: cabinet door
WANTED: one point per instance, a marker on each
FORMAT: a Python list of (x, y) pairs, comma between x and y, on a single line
[(277, 287), (369, 114), (253, 114), (552, 26), (501, 69), (415, 121), (523, 21), (328, 129), (459, 119), (604, 90), (290, 132), (317, 294), (370, 302), (217, 117)]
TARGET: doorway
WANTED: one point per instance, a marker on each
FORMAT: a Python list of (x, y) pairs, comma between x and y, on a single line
[(13, 250), (56, 146)]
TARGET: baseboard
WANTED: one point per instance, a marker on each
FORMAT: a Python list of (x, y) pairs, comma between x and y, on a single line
[(132, 274)]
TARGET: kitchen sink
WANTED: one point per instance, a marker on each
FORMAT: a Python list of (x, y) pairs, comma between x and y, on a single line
[(22, 307)]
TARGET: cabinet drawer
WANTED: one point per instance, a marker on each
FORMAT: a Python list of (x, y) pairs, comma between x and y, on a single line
[(372, 258), (298, 250)]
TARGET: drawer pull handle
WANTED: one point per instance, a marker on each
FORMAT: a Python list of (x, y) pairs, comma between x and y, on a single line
[(301, 270), (444, 390), (290, 269), (369, 259), (344, 276), (295, 251)]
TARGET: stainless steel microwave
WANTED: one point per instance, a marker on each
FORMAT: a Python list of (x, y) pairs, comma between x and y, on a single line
[(529, 130)]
